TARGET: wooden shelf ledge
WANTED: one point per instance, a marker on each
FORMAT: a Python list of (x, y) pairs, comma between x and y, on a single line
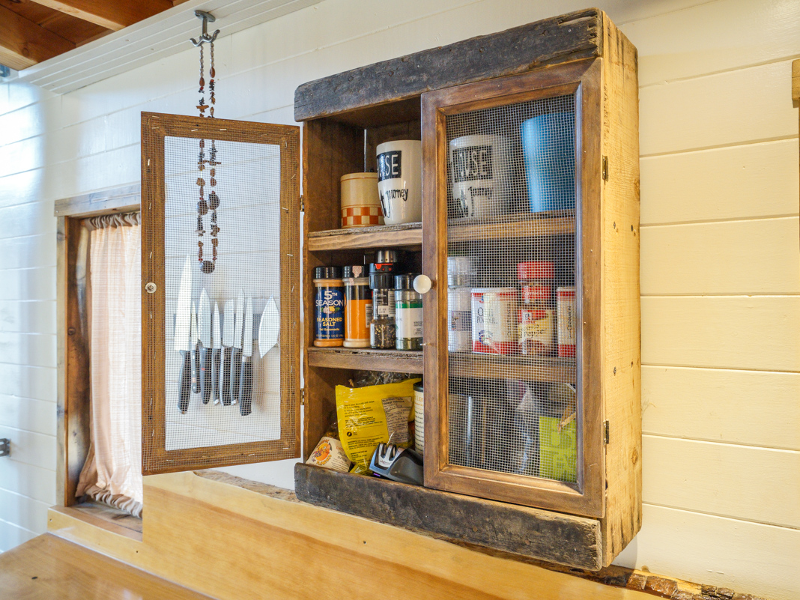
[(511, 226), (391, 236), (494, 366), (397, 361), (540, 534)]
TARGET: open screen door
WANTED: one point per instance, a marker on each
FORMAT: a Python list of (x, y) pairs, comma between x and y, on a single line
[(221, 292)]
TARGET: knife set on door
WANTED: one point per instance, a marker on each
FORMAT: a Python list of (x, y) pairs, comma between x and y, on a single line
[(217, 362)]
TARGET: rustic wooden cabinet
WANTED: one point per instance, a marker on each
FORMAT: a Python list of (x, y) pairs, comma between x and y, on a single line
[(506, 88)]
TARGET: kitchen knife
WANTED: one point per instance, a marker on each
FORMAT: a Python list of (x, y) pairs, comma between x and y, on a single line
[(204, 329), (246, 377), (181, 341), (216, 344), (236, 355), (227, 342), (268, 328), (195, 356)]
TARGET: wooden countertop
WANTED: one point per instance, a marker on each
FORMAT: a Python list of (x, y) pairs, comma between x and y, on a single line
[(48, 567)]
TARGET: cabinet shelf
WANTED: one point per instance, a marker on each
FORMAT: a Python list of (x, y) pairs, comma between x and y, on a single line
[(494, 366), (518, 225), (398, 361), (391, 236)]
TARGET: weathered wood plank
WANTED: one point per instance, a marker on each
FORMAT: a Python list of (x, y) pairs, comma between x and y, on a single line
[(121, 199), (397, 361), (569, 37), (544, 535)]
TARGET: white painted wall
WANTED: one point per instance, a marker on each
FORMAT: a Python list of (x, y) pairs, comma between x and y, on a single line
[(720, 264)]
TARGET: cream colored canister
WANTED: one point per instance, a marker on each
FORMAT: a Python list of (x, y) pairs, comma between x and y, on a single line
[(361, 204)]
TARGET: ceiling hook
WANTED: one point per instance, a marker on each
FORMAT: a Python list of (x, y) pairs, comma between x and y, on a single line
[(204, 37)]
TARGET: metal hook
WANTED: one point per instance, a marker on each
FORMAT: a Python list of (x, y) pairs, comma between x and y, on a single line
[(207, 17)]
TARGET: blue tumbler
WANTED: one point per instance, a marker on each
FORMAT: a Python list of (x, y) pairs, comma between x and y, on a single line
[(548, 145)]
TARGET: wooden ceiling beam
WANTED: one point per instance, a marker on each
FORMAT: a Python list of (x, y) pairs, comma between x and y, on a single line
[(112, 14), (23, 43)]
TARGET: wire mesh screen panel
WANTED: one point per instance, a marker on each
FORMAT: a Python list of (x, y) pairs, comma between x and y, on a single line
[(222, 378), (512, 327)]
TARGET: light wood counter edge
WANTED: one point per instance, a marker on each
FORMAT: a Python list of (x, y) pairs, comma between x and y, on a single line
[(365, 539)]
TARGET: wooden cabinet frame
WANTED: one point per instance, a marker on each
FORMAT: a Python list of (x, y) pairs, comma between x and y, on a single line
[(583, 80)]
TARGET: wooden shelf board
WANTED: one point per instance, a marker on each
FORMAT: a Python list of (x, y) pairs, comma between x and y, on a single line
[(397, 361), (407, 234), (494, 366), (511, 226)]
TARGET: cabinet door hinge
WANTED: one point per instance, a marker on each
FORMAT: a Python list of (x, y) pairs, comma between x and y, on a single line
[(605, 168), (302, 396), (302, 205), (605, 432)]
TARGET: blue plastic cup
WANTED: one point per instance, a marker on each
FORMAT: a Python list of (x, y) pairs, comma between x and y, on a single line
[(548, 146)]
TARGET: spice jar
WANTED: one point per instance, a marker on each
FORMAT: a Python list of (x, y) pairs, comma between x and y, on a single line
[(357, 307), (537, 315), (460, 271), (329, 307), (494, 320), (408, 313), (382, 325), (567, 332)]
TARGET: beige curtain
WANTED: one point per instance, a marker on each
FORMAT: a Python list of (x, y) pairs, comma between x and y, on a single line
[(113, 469)]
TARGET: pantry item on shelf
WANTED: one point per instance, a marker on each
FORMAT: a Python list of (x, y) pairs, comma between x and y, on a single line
[(382, 328), (530, 402), (329, 307), (548, 147), (494, 320), (383, 257), (400, 181), (408, 313), (370, 415), (419, 418), (397, 464), (329, 452), (365, 378), (361, 205), (459, 319), (357, 306), (537, 315), (460, 271), (480, 175), (558, 448), (467, 416), (567, 332)]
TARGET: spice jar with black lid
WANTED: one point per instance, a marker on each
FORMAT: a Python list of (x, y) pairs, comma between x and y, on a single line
[(382, 326)]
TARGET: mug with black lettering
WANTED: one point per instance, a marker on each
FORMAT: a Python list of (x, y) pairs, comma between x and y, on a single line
[(479, 166), (400, 181)]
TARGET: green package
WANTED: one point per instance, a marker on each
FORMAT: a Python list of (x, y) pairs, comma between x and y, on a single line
[(558, 449)]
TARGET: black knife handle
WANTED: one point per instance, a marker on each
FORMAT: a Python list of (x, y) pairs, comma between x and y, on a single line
[(246, 387), (185, 381), (216, 360), (226, 376), (236, 365), (195, 370), (205, 373)]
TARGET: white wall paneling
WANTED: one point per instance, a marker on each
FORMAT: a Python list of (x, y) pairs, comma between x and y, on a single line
[(720, 269)]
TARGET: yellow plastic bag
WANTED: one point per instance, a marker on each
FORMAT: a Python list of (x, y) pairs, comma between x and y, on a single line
[(370, 415)]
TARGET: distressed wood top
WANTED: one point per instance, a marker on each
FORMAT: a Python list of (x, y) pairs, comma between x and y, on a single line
[(559, 39)]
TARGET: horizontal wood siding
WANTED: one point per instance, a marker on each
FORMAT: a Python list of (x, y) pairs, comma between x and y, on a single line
[(719, 239)]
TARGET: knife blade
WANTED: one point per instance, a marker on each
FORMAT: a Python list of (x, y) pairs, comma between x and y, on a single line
[(181, 341), (236, 354), (227, 342), (195, 357), (269, 327), (216, 362), (204, 328), (246, 377)]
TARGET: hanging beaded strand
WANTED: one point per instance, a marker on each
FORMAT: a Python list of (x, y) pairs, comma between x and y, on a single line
[(207, 266)]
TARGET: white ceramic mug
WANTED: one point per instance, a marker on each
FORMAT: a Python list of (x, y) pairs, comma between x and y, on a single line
[(400, 181), (479, 173)]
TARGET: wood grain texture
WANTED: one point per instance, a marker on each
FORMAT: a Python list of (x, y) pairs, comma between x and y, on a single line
[(396, 361), (754, 408), (184, 542), (24, 43), (74, 410), (621, 320), (48, 567), (379, 236), (568, 37), (111, 15), (548, 536), (120, 199), (155, 457)]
